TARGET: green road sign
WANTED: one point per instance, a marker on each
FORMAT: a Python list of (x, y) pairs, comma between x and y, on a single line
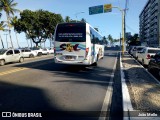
[(95, 9), (100, 9)]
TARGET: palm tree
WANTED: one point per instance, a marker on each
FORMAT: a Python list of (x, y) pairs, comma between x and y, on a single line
[(12, 22), (8, 6), (83, 20), (67, 19), (2, 28), (110, 39)]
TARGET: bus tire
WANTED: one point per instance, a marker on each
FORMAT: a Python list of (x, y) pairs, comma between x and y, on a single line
[(97, 57), (94, 64)]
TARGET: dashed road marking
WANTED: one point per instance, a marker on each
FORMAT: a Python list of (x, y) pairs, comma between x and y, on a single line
[(21, 69)]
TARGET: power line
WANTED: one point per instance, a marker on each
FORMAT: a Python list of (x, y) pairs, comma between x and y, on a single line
[(126, 6), (131, 29)]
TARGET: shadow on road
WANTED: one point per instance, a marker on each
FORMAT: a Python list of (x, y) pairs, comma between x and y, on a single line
[(24, 99)]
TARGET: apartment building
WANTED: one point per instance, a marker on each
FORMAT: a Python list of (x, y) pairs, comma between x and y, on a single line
[(149, 24)]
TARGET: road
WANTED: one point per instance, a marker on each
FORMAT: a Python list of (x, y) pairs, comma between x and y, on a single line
[(51, 89)]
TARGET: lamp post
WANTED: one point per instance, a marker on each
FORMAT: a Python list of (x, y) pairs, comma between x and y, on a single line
[(123, 36), (77, 14)]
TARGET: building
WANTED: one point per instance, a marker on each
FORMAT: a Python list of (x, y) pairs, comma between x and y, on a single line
[(149, 24)]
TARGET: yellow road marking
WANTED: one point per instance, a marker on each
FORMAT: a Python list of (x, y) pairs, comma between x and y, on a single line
[(20, 69), (12, 71)]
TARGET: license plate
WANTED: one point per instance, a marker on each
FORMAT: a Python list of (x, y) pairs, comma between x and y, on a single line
[(69, 58)]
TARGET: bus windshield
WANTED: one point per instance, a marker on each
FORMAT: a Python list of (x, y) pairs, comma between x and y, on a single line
[(73, 32)]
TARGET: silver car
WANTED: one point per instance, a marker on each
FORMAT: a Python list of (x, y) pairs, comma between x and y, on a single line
[(10, 55), (28, 53)]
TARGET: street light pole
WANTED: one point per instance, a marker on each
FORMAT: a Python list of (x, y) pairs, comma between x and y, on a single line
[(123, 28), (77, 14)]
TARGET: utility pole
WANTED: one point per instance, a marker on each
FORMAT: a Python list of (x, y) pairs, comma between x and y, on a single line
[(123, 30), (120, 42)]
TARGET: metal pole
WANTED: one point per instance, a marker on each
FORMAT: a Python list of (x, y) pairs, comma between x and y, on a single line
[(123, 45), (120, 42), (122, 32)]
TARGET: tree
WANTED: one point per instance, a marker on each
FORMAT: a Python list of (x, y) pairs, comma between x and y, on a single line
[(8, 6), (38, 25), (105, 40), (12, 22), (83, 20), (67, 19), (110, 39), (134, 40), (2, 26)]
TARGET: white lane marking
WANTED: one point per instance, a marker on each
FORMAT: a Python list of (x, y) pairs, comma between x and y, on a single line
[(127, 106), (108, 95)]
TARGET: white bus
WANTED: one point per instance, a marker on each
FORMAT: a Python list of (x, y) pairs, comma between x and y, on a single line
[(77, 44)]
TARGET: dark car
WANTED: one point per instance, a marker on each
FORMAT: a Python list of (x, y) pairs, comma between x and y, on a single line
[(154, 64)]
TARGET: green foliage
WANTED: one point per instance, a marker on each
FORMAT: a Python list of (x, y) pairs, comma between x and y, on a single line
[(134, 40), (105, 40), (38, 25), (83, 20), (8, 6), (2, 26), (112, 41), (67, 19)]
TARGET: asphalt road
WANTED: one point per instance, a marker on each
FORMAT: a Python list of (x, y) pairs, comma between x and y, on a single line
[(56, 90)]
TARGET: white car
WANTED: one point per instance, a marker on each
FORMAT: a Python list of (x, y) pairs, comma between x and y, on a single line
[(145, 54), (137, 49), (45, 51), (10, 55), (133, 48), (51, 50), (28, 53), (38, 51)]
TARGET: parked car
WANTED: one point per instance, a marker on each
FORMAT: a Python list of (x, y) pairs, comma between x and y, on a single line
[(51, 50), (136, 50), (144, 55), (10, 55), (132, 49), (37, 50), (28, 53), (45, 51), (154, 64)]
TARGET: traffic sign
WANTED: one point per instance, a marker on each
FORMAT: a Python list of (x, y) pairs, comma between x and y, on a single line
[(107, 8), (96, 9)]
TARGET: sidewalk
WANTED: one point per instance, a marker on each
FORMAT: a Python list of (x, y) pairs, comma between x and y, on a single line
[(144, 90)]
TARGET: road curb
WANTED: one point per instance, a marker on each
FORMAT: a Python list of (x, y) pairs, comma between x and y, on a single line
[(127, 106)]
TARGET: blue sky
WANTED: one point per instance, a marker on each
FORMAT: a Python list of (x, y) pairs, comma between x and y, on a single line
[(107, 23)]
